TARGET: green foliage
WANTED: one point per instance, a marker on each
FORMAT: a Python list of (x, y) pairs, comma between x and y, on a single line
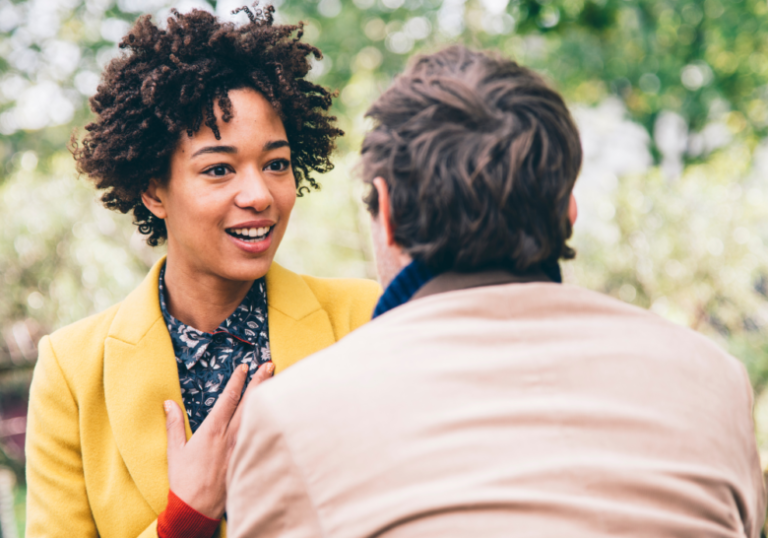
[(685, 56), (689, 248), (62, 256), (21, 512)]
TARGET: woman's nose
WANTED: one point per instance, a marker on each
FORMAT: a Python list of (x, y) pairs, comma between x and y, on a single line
[(253, 192)]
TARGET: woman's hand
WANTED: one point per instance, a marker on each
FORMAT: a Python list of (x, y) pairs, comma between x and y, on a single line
[(197, 469)]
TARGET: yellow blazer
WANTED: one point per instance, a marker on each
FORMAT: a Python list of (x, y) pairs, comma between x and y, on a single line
[(96, 438)]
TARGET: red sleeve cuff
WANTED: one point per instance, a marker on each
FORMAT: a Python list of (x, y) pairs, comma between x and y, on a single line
[(179, 520)]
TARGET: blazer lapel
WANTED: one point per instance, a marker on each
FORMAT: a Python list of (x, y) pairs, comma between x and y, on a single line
[(139, 375), (298, 325), (140, 368)]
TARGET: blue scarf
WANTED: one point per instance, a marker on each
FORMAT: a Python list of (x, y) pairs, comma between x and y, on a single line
[(403, 287), (416, 274)]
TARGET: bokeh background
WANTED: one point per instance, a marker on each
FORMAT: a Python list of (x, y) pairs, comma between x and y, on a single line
[(671, 97)]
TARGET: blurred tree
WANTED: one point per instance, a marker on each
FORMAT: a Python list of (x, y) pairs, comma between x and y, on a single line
[(699, 59)]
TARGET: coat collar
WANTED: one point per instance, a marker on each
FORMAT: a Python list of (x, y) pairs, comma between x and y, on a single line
[(462, 281), (140, 367)]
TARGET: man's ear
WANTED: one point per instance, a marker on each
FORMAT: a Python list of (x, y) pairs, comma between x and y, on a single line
[(153, 199), (573, 210), (384, 215)]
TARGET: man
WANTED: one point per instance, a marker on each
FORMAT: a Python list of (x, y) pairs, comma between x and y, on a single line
[(486, 399)]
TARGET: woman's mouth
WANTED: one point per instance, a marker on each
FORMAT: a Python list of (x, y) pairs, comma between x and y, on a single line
[(250, 235)]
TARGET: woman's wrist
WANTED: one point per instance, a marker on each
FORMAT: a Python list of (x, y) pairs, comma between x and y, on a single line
[(207, 501), (179, 520)]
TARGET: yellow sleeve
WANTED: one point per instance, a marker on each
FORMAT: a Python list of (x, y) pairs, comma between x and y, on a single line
[(57, 501)]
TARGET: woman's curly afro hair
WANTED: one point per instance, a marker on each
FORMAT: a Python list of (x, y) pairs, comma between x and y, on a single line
[(166, 86)]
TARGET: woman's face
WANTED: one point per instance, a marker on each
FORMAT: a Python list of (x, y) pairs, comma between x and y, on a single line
[(227, 202)]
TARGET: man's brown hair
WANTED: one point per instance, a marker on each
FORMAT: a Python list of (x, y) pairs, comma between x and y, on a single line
[(480, 157)]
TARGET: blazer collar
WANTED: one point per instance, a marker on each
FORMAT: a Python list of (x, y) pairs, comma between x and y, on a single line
[(298, 325), (140, 370), (288, 293), (139, 375)]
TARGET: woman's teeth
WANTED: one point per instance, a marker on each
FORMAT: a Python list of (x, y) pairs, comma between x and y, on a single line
[(251, 235)]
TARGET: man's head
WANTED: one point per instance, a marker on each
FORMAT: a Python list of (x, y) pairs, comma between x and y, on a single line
[(471, 164)]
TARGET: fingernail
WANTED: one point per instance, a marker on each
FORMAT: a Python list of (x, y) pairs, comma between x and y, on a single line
[(167, 406), (244, 368), (270, 368)]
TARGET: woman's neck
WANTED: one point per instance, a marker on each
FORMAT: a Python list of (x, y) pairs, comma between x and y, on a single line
[(201, 300)]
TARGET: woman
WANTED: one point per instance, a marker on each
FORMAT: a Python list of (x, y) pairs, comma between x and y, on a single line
[(204, 132)]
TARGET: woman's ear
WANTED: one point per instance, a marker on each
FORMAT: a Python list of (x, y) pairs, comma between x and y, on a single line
[(153, 199)]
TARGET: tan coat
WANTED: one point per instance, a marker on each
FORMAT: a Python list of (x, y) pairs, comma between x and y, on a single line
[(525, 410)]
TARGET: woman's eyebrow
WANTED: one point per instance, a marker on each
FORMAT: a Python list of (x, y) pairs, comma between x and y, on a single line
[(274, 144), (214, 149)]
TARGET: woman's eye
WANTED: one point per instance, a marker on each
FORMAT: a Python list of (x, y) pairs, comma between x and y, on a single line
[(279, 165), (218, 171)]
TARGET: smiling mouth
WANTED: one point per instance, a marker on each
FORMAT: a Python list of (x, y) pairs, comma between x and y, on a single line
[(250, 235)]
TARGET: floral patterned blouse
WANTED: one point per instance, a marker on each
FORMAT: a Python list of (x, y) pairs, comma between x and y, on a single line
[(206, 361)]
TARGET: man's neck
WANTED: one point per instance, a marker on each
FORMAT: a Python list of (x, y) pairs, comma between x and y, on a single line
[(201, 300)]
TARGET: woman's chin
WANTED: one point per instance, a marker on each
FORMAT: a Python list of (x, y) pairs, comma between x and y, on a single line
[(233, 260), (245, 270)]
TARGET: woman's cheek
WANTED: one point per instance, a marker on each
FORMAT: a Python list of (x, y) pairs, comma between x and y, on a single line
[(210, 207), (286, 198)]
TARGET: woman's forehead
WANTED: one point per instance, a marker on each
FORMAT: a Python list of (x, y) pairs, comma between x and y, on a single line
[(254, 125)]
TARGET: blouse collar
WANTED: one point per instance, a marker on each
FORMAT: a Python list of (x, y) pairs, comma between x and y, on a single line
[(243, 324)]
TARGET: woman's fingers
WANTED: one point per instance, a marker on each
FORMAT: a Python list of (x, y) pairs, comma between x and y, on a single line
[(264, 372), (174, 425), (208, 451), (226, 405)]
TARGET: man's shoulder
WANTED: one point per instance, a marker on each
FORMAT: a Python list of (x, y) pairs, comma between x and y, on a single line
[(640, 320), (326, 372), (535, 314), (419, 356)]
